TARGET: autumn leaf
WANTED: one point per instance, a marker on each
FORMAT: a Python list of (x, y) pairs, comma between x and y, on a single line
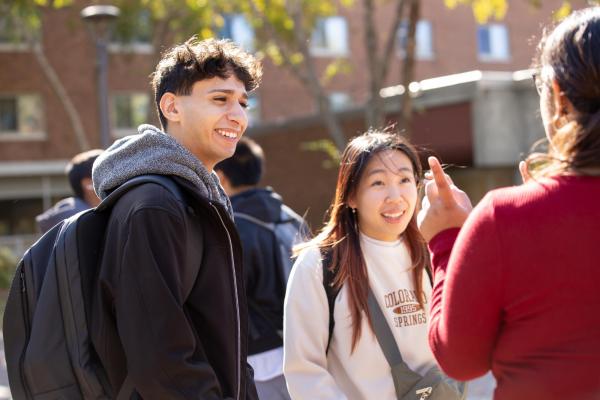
[(564, 10)]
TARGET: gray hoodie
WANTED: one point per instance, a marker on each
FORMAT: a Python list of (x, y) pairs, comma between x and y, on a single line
[(152, 151)]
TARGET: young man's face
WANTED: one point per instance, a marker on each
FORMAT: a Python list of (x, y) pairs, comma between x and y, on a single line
[(211, 119)]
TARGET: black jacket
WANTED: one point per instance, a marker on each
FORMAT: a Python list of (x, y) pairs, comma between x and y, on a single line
[(173, 345), (265, 285)]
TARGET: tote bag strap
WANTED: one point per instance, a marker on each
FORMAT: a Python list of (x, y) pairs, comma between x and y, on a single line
[(384, 335), (404, 378)]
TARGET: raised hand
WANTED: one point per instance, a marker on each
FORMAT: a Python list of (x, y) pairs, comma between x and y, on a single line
[(444, 205)]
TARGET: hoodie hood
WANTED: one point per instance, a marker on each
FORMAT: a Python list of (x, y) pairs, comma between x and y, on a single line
[(152, 151), (263, 204)]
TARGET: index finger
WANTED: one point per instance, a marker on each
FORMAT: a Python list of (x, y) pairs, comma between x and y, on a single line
[(443, 188)]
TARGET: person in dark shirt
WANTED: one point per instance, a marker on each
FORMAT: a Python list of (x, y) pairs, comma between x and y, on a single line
[(262, 221), (79, 172)]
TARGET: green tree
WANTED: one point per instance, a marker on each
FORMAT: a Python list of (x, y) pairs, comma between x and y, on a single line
[(8, 263), (283, 31), (285, 27), (484, 10)]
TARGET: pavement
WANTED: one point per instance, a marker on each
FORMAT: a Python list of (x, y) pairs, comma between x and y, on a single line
[(481, 388)]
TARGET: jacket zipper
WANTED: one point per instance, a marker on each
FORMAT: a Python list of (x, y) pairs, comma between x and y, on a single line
[(237, 306), (27, 332)]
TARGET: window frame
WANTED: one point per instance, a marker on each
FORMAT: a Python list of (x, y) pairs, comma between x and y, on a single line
[(121, 131), (254, 111), (327, 50), (19, 42), (343, 101), (135, 45), (18, 135), (496, 54), (419, 55), (227, 31)]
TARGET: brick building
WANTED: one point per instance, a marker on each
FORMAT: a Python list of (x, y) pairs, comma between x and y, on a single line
[(36, 138)]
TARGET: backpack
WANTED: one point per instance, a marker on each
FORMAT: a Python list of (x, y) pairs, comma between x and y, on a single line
[(49, 354), (289, 230), (330, 291)]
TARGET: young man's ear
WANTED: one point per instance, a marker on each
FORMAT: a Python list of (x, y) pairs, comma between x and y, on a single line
[(89, 196), (168, 107)]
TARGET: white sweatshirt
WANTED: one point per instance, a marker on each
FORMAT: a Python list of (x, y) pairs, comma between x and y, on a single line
[(364, 374)]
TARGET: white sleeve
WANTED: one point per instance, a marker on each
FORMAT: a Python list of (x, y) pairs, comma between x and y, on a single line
[(306, 330)]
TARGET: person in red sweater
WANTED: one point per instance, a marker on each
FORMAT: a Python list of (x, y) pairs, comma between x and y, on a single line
[(516, 279)]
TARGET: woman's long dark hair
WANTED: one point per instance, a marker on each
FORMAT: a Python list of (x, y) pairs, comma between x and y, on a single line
[(340, 235), (572, 52)]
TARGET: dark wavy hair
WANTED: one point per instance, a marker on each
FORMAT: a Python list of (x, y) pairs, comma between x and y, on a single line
[(80, 167), (246, 166), (183, 65), (572, 52), (341, 237)]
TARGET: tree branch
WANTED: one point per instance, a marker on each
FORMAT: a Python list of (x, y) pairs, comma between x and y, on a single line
[(389, 49), (409, 66), (281, 45), (57, 86)]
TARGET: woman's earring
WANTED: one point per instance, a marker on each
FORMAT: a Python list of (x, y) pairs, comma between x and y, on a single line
[(355, 219)]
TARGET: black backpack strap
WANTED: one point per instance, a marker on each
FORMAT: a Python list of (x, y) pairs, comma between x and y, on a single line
[(330, 290), (267, 225)]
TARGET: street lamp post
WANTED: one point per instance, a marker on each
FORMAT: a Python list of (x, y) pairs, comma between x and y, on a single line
[(99, 19)]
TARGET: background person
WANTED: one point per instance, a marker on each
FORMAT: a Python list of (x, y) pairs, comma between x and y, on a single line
[(265, 271), (79, 172), (515, 289)]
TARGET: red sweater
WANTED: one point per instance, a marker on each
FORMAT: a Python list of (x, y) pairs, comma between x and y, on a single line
[(517, 291)]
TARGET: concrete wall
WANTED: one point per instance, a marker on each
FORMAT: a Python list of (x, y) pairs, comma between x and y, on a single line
[(506, 120)]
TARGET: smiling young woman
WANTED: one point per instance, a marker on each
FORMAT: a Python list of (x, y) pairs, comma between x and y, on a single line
[(370, 242)]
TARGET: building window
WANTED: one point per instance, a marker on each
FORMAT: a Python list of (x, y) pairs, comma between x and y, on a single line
[(132, 33), (339, 100), (492, 42), (330, 37), (253, 109), (129, 110), (21, 117), (237, 28), (423, 38), (12, 37)]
